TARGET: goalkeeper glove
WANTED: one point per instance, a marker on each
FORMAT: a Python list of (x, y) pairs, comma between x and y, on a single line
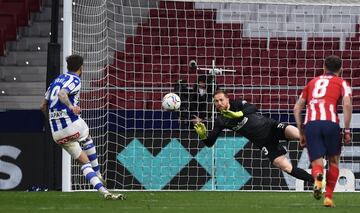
[(200, 130), (232, 115), (347, 136)]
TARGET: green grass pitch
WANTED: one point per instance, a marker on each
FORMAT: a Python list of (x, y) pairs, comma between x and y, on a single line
[(195, 201)]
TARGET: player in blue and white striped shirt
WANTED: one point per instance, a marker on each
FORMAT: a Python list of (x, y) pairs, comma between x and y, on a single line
[(68, 129)]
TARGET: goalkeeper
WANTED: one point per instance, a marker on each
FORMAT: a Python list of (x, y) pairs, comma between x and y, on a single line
[(264, 132)]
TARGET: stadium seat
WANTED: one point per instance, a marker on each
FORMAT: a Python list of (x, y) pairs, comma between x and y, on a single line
[(256, 53), (352, 43), (251, 95), (285, 43), (176, 5), (228, 80), (356, 99), (265, 62), (166, 13), (8, 22), (323, 43), (121, 79), (311, 63), (283, 81), (291, 72), (35, 5), (20, 8), (251, 98), (185, 23), (279, 99), (220, 42), (297, 81), (254, 43), (207, 42), (172, 26), (159, 22), (134, 48), (355, 82), (144, 29), (169, 13), (176, 33), (154, 100), (96, 99), (127, 99), (2, 42)]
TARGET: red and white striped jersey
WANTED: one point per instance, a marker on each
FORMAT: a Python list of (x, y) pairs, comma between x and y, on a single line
[(322, 95)]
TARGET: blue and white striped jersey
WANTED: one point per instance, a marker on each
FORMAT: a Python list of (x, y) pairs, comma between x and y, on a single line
[(60, 115)]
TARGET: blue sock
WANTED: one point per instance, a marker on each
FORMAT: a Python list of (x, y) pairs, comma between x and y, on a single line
[(90, 176), (90, 150)]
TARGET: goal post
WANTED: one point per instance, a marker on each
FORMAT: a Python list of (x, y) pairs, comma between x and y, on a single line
[(136, 51), (67, 50)]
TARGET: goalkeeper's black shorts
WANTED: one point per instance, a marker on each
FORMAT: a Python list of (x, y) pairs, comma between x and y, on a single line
[(272, 148)]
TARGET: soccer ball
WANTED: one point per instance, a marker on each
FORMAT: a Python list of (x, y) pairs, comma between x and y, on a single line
[(171, 102)]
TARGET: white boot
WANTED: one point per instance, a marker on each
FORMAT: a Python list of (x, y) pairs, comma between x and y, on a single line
[(110, 196)]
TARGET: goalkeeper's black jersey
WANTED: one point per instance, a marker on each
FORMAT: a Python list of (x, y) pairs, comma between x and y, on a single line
[(255, 127)]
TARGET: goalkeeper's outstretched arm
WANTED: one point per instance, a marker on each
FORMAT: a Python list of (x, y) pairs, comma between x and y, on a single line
[(209, 139), (212, 136), (244, 109)]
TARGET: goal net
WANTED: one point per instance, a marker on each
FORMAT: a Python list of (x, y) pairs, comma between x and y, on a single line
[(265, 52)]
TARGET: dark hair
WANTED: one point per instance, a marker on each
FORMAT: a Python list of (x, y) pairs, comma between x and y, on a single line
[(74, 62), (221, 91), (202, 78), (180, 86), (333, 63)]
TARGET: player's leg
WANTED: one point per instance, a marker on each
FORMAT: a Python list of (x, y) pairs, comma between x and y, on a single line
[(90, 150), (333, 146), (283, 163), (74, 149), (91, 176), (88, 146), (78, 130), (316, 149), (276, 154), (292, 133), (331, 179), (317, 170)]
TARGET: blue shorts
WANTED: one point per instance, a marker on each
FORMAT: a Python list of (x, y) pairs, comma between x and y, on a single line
[(322, 139)]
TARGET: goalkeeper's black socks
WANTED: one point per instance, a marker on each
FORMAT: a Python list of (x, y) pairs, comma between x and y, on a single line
[(301, 174)]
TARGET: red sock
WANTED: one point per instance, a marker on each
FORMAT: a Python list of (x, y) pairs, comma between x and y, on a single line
[(331, 179), (317, 169)]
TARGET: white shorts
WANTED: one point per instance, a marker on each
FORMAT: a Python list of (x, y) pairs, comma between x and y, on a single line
[(69, 137)]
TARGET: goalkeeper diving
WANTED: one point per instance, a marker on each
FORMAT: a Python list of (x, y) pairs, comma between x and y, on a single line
[(242, 117)]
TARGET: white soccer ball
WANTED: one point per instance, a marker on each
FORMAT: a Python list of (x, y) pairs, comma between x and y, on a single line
[(171, 102)]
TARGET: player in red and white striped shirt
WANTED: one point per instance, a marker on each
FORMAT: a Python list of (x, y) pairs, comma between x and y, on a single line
[(321, 130)]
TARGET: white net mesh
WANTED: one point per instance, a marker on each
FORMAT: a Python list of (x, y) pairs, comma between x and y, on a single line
[(137, 51), (90, 39)]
